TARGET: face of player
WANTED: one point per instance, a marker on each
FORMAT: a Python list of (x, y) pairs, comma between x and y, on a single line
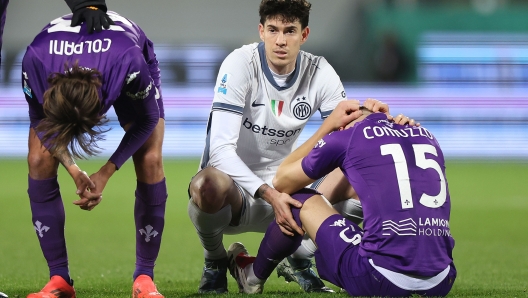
[(282, 42)]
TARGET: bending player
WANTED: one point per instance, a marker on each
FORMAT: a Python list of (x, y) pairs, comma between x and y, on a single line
[(398, 172), (70, 79)]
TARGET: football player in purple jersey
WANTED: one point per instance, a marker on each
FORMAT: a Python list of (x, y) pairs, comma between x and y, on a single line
[(70, 79), (3, 10), (93, 12), (398, 172)]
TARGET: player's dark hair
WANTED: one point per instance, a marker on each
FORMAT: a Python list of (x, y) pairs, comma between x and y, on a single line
[(288, 11), (71, 107), (365, 110)]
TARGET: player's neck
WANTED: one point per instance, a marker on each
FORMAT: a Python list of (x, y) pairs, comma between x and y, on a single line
[(281, 70)]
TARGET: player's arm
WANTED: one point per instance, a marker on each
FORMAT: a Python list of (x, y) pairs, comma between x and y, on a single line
[(34, 85), (290, 176), (139, 90), (93, 12), (232, 86)]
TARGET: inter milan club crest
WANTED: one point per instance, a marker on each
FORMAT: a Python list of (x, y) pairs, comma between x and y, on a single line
[(302, 110)]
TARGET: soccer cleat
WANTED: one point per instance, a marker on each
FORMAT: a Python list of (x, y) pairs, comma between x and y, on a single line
[(301, 272), (144, 287), (214, 277), (239, 259), (57, 287)]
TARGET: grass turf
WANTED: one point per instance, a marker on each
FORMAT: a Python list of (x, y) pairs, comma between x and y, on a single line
[(488, 221)]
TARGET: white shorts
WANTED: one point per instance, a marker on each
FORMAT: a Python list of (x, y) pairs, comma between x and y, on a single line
[(256, 215)]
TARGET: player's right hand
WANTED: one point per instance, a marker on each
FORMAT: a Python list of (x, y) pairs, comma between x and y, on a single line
[(95, 19), (283, 215), (84, 186)]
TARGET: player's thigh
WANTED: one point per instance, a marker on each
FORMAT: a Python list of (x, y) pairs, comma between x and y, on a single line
[(148, 159), (314, 212), (335, 187), (40, 162), (255, 215), (337, 256)]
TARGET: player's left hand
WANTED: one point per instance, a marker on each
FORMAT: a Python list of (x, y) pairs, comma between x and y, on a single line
[(376, 106), (403, 120), (95, 18), (88, 204), (344, 113)]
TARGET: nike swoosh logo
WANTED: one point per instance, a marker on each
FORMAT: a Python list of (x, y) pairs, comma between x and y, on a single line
[(255, 104)]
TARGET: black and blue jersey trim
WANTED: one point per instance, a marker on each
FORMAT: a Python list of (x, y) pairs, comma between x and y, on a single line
[(267, 71), (325, 114), (218, 106)]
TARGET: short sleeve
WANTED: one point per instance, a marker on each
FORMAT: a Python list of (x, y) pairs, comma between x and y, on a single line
[(327, 155), (332, 91)]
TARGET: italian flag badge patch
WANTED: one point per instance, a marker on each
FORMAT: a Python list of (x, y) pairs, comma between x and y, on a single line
[(276, 107)]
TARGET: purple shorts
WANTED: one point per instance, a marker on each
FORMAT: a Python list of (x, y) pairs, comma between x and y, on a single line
[(338, 261)]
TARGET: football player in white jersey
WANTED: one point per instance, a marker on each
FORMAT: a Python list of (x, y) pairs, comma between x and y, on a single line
[(264, 95)]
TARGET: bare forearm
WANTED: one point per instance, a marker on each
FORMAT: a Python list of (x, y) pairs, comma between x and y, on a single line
[(265, 192), (65, 158)]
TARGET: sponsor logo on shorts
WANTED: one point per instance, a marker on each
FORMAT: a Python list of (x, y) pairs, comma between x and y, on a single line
[(339, 223), (356, 238)]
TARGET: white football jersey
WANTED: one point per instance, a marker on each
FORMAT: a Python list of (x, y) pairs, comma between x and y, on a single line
[(255, 123)]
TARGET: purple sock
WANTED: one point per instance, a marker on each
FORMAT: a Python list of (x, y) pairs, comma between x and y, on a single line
[(48, 221), (149, 214), (276, 245)]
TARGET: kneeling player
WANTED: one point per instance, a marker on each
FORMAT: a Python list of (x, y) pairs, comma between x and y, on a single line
[(405, 247)]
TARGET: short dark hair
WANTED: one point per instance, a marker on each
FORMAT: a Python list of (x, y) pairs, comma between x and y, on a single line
[(288, 11), (71, 107)]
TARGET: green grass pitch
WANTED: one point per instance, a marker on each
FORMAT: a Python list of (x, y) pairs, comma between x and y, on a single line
[(489, 221)]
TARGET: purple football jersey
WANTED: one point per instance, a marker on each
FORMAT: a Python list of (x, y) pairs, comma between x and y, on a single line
[(122, 54), (398, 173), (3, 9)]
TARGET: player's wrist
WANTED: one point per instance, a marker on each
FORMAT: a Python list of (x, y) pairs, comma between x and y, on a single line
[(108, 169)]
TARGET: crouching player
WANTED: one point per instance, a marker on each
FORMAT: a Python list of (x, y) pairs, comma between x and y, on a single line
[(70, 79), (398, 172)]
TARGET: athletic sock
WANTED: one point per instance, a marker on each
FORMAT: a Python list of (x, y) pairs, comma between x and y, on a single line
[(149, 215), (252, 279), (48, 220), (210, 229)]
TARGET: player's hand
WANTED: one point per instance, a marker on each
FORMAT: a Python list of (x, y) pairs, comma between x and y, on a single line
[(100, 179), (403, 120), (84, 184), (96, 193), (281, 204), (344, 113), (283, 215), (376, 106), (95, 19)]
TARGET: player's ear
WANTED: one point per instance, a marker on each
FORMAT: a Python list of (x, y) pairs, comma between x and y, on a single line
[(261, 31), (305, 32)]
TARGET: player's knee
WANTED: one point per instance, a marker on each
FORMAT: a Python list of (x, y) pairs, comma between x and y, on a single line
[(41, 166), (152, 158), (304, 194), (207, 194)]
